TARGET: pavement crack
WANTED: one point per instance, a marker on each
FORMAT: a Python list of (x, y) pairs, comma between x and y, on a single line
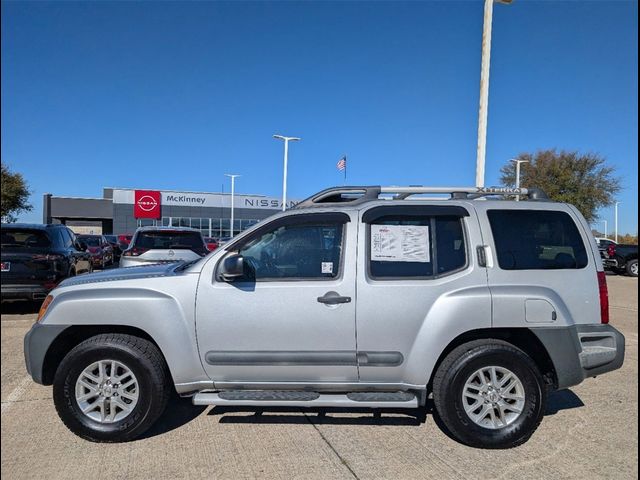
[(342, 460)]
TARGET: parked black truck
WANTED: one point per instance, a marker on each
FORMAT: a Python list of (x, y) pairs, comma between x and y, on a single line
[(621, 259)]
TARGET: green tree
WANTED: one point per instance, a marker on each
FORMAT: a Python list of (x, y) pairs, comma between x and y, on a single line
[(628, 239), (15, 195), (583, 180)]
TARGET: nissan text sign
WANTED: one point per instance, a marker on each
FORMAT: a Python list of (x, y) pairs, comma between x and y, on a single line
[(146, 204), (143, 201)]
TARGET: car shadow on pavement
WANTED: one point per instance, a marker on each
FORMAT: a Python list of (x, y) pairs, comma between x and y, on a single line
[(319, 416), (21, 307), (562, 400), (179, 412)]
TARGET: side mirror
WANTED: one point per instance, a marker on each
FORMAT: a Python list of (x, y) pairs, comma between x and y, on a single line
[(232, 268)]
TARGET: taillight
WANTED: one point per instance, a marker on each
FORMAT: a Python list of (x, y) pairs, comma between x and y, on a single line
[(604, 297), (611, 250)]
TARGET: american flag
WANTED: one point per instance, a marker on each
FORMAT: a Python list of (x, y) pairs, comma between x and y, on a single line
[(342, 163)]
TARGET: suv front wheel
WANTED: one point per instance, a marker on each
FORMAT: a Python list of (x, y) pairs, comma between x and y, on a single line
[(111, 387), (489, 394)]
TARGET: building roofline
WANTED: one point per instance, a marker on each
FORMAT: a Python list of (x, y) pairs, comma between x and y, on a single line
[(188, 191)]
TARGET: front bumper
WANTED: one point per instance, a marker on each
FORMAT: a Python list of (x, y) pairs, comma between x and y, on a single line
[(36, 345), (582, 351)]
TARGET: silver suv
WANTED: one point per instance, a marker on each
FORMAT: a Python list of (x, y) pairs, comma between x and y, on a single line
[(163, 244), (375, 297)]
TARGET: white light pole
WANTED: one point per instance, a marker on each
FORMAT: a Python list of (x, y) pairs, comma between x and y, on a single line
[(616, 221), (484, 90), (286, 160), (606, 229), (518, 163), (233, 192)]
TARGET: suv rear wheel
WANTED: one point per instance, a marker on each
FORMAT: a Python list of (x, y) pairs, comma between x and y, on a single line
[(111, 387), (489, 394)]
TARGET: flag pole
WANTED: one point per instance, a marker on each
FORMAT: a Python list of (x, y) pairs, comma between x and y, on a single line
[(345, 169)]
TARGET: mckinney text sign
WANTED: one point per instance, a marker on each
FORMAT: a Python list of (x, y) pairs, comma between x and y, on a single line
[(189, 199)]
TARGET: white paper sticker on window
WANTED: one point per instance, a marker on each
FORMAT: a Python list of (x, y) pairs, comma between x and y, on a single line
[(400, 243), (327, 267)]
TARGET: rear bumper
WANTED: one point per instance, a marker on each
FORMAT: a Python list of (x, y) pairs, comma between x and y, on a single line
[(582, 351), (24, 292), (36, 345)]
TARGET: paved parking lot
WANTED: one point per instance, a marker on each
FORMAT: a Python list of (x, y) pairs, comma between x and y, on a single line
[(590, 431)]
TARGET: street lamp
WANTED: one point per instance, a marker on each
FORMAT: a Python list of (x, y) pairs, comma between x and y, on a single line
[(233, 192), (606, 229), (286, 160), (484, 89), (518, 162), (616, 220)]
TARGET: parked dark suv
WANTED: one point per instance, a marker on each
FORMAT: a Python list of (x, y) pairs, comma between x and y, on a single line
[(35, 258)]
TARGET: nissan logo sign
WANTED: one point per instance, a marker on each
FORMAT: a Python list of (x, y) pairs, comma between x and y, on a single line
[(147, 203)]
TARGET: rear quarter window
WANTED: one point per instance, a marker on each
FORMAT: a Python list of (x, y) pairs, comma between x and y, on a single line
[(537, 240)]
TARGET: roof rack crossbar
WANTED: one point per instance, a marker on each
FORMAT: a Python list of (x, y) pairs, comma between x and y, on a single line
[(362, 194)]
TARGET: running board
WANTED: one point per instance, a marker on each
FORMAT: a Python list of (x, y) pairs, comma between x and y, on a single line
[(283, 398)]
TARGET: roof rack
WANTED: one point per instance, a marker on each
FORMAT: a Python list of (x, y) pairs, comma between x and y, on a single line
[(354, 195)]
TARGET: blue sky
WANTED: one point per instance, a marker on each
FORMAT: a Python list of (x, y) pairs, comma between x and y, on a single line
[(170, 95)]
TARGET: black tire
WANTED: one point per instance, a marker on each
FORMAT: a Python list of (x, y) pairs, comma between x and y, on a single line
[(631, 266), (146, 363), (459, 365)]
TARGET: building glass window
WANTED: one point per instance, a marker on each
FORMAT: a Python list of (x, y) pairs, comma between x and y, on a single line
[(214, 227)]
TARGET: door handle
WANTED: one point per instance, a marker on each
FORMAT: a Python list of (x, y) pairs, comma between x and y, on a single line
[(333, 298)]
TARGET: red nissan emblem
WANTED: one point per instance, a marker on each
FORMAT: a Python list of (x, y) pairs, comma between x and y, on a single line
[(146, 204)]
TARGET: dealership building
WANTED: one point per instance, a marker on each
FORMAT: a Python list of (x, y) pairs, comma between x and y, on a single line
[(122, 210)]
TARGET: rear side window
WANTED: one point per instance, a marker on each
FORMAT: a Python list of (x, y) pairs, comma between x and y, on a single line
[(416, 246), (537, 240), (164, 240), (24, 239)]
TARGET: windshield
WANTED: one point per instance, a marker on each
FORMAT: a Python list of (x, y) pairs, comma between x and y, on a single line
[(111, 238), (90, 240), (170, 239), (25, 238)]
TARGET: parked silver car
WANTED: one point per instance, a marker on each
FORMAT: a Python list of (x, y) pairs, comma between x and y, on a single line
[(151, 245), (368, 297)]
